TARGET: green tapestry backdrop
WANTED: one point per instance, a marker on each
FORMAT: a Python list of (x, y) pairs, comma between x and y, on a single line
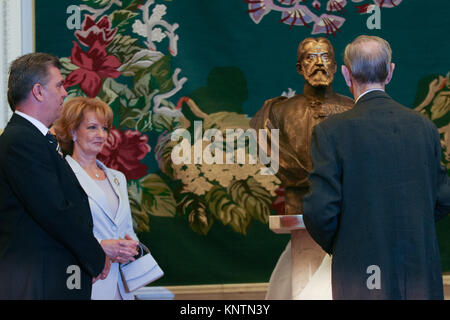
[(161, 65)]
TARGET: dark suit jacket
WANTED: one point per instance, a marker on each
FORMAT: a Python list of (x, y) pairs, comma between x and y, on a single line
[(45, 220), (377, 188)]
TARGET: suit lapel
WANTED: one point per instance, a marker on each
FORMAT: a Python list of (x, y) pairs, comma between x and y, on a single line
[(17, 120), (61, 165), (115, 183), (91, 188)]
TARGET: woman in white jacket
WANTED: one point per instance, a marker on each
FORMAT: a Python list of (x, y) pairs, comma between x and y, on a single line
[(82, 131)]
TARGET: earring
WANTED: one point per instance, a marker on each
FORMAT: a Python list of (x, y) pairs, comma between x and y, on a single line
[(74, 138)]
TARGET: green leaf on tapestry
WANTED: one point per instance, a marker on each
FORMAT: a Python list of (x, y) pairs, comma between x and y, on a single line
[(142, 85), (139, 216), (166, 86), (161, 76), (144, 123), (137, 66), (134, 113), (252, 197), (137, 102), (157, 197), (222, 206), (226, 120), (163, 153), (75, 92), (121, 19), (130, 100), (129, 122), (67, 66), (133, 5), (111, 90), (128, 117), (194, 208), (162, 122), (441, 105), (123, 47)]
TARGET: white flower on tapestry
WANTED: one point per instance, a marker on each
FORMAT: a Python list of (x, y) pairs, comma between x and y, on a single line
[(139, 28), (154, 29), (297, 12), (157, 35), (158, 12), (289, 94), (200, 179)]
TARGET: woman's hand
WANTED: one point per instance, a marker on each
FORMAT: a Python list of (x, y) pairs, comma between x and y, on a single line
[(121, 251), (105, 272)]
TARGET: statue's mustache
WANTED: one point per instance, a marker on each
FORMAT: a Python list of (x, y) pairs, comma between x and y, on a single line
[(317, 70)]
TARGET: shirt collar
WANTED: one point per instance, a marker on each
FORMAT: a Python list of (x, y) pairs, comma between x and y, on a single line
[(41, 127), (366, 92)]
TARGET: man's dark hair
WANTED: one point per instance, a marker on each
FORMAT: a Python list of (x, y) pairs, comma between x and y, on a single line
[(25, 72)]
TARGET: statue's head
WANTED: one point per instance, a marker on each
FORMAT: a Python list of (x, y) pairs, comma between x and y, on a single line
[(315, 61)]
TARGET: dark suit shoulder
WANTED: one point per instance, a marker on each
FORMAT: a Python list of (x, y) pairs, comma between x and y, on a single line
[(14, 135), (414, 113), (20, 128), (22, 137), (411, 114), (373, 109)]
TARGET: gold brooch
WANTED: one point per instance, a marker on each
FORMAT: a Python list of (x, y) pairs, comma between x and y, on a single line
[(116, 181)]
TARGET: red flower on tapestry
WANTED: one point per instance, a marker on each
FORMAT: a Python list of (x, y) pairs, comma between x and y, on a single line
[(123, 151), (279, 204), (95, 65), (99, 31)]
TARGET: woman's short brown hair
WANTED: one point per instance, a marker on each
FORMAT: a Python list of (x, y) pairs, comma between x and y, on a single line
[(73, 114)]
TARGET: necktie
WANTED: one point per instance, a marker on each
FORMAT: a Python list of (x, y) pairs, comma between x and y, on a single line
[(52, 139)]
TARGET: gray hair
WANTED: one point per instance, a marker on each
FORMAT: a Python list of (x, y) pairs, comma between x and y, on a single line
[(368, 58)]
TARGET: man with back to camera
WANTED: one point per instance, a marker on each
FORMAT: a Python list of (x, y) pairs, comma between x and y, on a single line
[(45, 221), (377, 188), (295, 117)]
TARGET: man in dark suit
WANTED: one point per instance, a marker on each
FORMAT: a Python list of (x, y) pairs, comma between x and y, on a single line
[(47, 247), (377, 188)]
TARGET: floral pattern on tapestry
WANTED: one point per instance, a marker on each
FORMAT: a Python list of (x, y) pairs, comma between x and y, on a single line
[(124, 54), (436, 106)]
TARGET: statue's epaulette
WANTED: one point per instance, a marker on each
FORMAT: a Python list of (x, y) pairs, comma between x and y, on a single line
[(260, 118)]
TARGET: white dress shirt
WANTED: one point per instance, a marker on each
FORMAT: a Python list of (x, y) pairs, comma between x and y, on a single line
[(366, 92)]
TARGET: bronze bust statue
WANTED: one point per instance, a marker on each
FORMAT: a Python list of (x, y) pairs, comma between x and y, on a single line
[(295, 117)]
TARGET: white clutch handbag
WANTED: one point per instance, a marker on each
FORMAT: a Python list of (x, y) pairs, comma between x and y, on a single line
[(140, 272)]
